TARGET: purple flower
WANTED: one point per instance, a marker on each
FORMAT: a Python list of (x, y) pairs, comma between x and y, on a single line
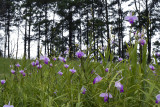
[(12, 71), (106, 96), (127, 54), (66, 66), (55, 92), (100, 62), (66, 51), (21, 71), (103, 48), (24, 74), (72, 70), (120, 59), (37, 62), (11, 66), (157, 54), (18, 65), (113, 42), (60, 73), (83, 90), (79, 65), (119, 86), (51, 64), (8, 105), (92, 71), (142, 41), (106, 70), (158, 98), (3, 81), (62, 59), (54, 59), (97, 79), (154, 72), (131, 18), (140, 34), (152, 67), (45, 59), (79, 54), (33, 63), (39, 66)]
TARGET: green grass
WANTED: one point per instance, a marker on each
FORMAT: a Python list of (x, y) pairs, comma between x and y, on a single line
[(46, 88), (5, 66)]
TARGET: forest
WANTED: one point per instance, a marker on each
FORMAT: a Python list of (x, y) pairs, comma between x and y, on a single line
[(77, 24)]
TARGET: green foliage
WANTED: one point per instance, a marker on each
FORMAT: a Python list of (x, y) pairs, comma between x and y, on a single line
[(45, 87)]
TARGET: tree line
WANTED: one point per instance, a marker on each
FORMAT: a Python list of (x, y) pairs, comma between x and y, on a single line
[(93, 23)]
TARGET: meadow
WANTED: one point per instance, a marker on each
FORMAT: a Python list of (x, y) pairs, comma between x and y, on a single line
[(82, 82)]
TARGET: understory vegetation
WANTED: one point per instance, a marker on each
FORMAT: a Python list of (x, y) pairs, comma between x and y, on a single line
[(56, 81)]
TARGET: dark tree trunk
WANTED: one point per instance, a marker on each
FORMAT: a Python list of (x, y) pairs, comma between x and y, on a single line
[(107, 24), (80, 34), (29, 33), (5, 44), (97, 47), (74, 45), (94, 39), (119, 29), (8, 32), (46, 30), (39, 36), (139, 18), (87, 30), (62, 41), (70, 33), (52, 35), (17, 42), (101, 32), (120, 11), (102, 41), (25, 39), (148, 35)]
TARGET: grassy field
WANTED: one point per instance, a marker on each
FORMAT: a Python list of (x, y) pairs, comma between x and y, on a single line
[(125, 83), (5, 66)]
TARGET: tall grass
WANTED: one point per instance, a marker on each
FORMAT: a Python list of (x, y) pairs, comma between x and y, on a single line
[(46, 88)]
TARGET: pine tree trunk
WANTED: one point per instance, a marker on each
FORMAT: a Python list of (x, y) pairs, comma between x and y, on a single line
[(70, 33), (29, 32), (25, 39), (46, 30), (5, 43), (17, 43), (62, 41), (148, 35), (87, 30), (119, 29), (107, 24), (39, 36), (8, 33), (93, 28), (80, 35)]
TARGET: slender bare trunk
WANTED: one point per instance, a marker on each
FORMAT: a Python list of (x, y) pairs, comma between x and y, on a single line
[(17, 42)]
